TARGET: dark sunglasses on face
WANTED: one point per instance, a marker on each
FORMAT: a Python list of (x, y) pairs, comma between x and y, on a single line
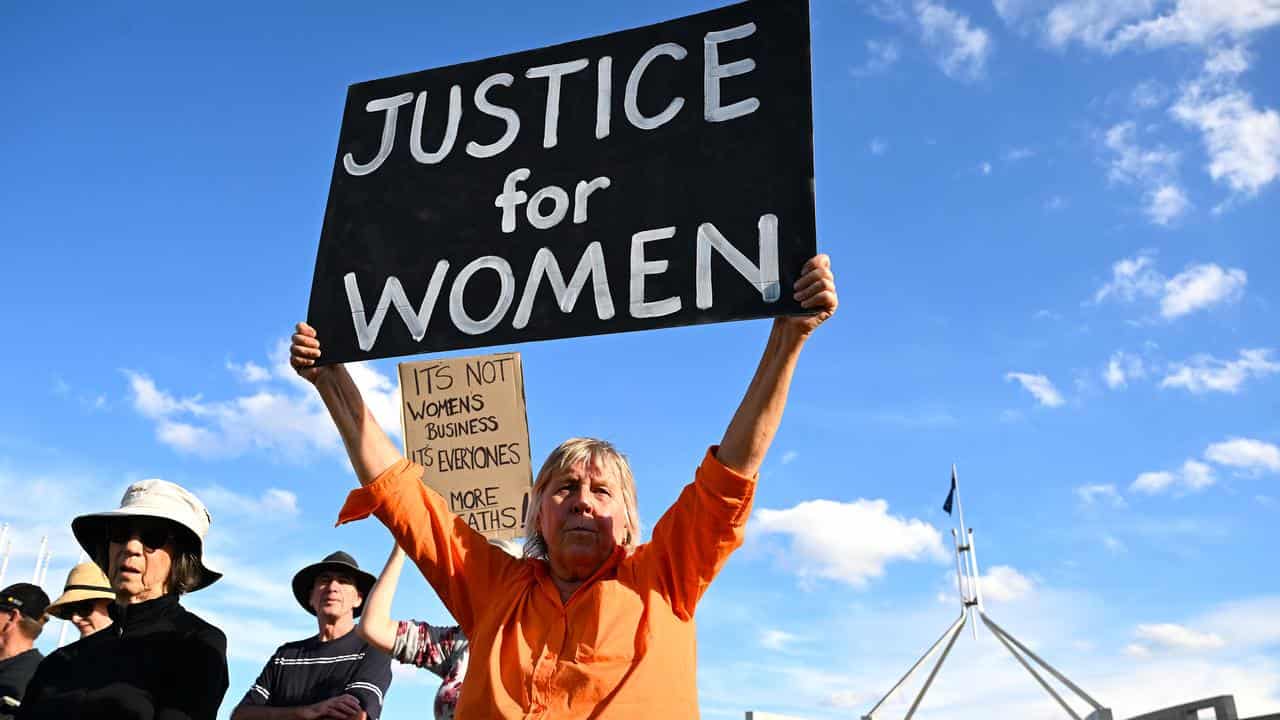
[(83, 608), (153, 533)]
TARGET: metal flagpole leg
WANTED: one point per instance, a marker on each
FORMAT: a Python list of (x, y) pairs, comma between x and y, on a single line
[(1031, 670), (934, 673), (1062, 678), (871, 713), (964, 597), (4, 564), (35, 574), (977, 578)]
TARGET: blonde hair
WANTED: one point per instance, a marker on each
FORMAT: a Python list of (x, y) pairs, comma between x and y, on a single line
[(589, 452)]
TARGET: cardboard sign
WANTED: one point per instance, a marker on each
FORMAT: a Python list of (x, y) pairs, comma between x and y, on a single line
[(655, 177), (464, 422)]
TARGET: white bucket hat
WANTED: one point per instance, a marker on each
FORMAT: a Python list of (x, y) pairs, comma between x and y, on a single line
[(157, 499)]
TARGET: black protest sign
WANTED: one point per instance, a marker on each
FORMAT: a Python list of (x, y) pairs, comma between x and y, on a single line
[(464, 422), (649, 178)]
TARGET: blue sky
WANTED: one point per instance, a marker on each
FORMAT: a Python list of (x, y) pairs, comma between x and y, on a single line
[(1049, 224)]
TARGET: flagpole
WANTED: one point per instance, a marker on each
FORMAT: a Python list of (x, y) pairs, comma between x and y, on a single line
[(35, 574)]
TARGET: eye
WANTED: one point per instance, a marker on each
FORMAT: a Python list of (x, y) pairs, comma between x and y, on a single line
[(602, 490)]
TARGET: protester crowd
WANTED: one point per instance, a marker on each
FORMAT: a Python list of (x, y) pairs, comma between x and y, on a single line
[(584, 621)]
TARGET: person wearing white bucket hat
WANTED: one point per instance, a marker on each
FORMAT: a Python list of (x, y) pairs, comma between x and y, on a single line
[(158, 660)]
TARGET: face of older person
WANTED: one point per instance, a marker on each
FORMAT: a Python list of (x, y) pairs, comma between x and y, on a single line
[(334, 595), (89, 616), (140, 553), (583, 517)]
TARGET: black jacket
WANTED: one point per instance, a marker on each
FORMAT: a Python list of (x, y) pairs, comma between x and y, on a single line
[(156, 662)]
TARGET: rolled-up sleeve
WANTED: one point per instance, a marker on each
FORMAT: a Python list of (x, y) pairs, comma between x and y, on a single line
[(698, 532), (456, 560)]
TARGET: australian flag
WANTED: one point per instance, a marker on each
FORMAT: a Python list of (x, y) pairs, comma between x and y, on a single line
[(951, 495)]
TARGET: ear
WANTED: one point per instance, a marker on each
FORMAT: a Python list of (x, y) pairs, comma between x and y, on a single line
[(359, 600)]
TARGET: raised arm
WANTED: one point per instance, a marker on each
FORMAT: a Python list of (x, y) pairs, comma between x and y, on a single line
[(756, 421), (694, 538), (369, 448), (376, 626)]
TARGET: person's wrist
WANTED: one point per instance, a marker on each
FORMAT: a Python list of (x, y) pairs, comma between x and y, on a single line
[(326, 376), (794, 333)]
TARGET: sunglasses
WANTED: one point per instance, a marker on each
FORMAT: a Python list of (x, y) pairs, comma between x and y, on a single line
[(83, 608), (153, 533)]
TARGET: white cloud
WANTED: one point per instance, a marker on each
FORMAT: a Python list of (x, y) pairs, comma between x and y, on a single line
[(1152, 482), (272, 504), (776, 639), (1131, 163), (1246, 624), (1245, 454), (1121, 368), (1114, 25), (961, 49), (1134, 650), (1196, 288), (1228, 61), (1112, 544), (1243, 141), (984, 167), (1199, 287), (878, 146), (1089, 494), (249, 371), (1171, 636), (1156, 170), (1005, 584), (881, 55), (1199, 22), (1148, 94), (1196, 475), (849, 542), (789, 456), (1131, 278), (1166, 204), (1204, 373), (1039, 386), (1091, 22), (283, 416), (1192, 476)]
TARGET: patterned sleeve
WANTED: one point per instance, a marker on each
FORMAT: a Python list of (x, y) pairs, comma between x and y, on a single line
[(433, 647)]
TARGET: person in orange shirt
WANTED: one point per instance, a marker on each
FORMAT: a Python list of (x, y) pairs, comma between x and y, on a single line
[(589, 623)]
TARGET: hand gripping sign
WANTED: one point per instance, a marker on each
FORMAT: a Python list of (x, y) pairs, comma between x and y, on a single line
[(648, 178)]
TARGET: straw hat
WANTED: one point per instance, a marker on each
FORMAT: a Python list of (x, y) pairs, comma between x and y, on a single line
[(339, 561), (157, 499), (86, 581)]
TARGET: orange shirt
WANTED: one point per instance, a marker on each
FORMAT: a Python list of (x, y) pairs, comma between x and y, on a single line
[(623, 646)]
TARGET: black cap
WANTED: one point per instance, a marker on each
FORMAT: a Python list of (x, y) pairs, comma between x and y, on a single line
[(26, 598)]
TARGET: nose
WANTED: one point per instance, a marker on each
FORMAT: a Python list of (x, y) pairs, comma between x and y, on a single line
[(134, 544), (581, 501)]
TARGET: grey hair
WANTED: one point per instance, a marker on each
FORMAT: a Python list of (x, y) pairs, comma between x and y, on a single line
[(592, 453)]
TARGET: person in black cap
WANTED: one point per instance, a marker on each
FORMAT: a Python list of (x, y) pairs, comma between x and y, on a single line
[(333, 674), (22, 608)]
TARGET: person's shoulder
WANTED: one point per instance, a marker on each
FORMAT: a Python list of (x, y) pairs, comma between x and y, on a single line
[(201, 629), (294, 648), (23, 663)]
